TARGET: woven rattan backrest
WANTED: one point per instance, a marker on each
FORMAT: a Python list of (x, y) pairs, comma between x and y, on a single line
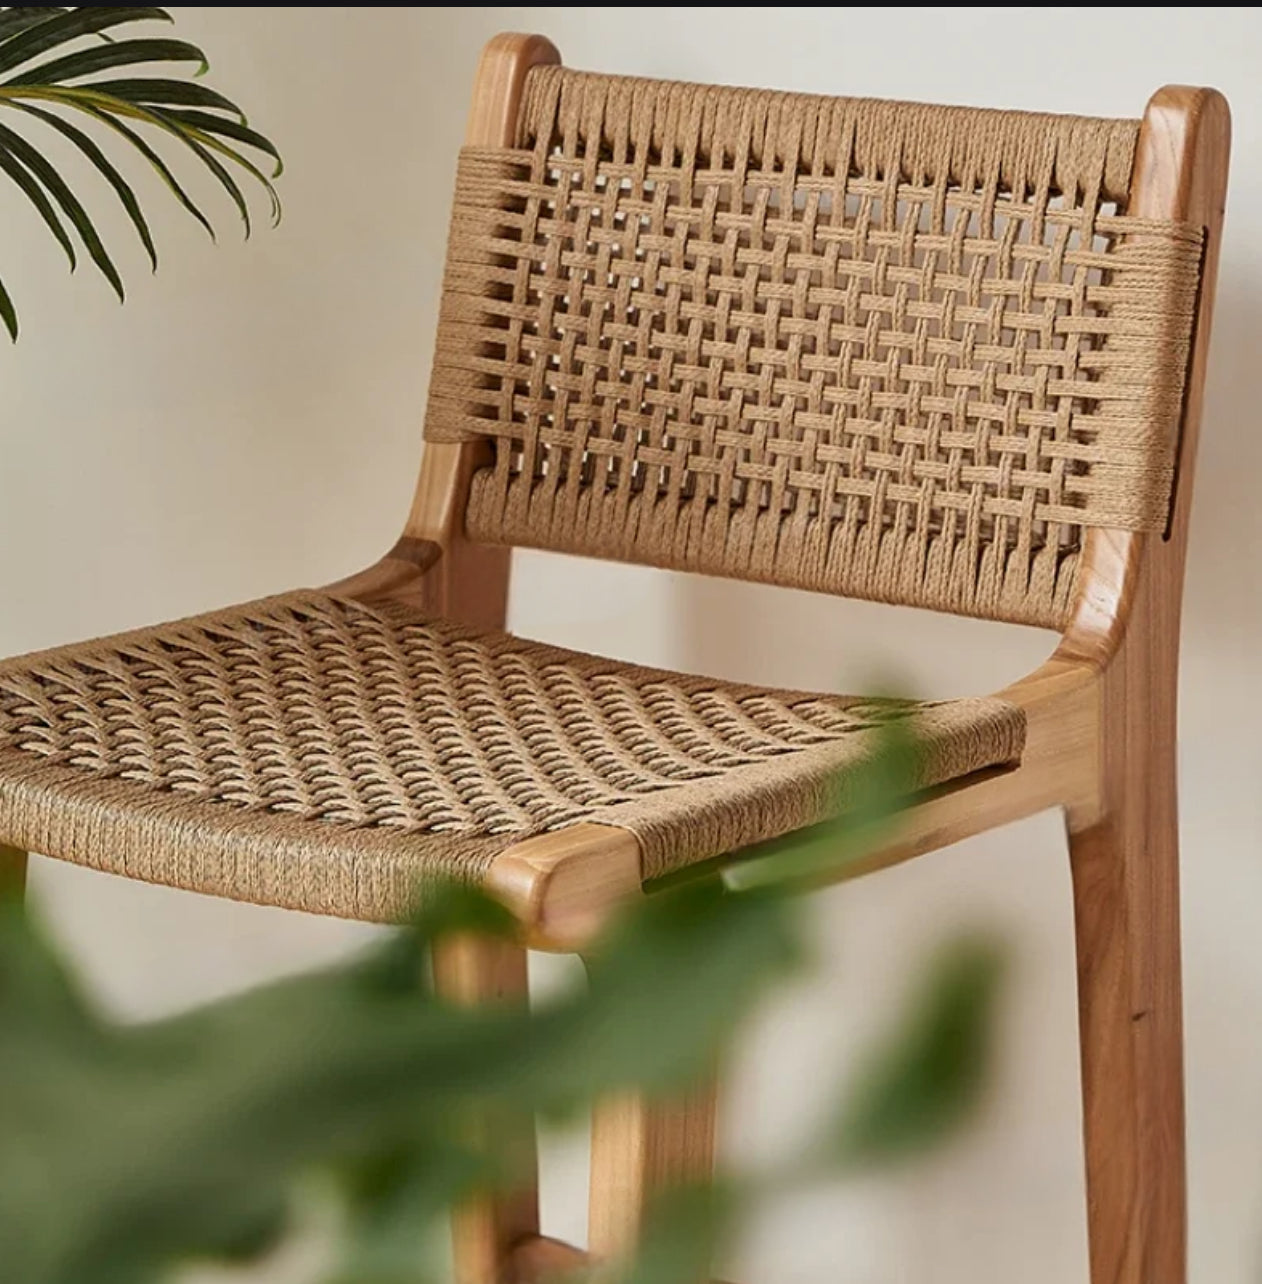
[(889, 350)]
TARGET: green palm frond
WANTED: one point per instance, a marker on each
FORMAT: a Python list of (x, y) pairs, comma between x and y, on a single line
[(51, 65)]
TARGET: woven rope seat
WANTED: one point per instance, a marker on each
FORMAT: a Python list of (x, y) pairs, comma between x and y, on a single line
[(318, 753)]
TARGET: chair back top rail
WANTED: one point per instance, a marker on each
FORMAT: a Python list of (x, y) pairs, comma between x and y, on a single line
[(888, 350)]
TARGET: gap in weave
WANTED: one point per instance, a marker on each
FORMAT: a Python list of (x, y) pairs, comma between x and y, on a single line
[(825, 348)]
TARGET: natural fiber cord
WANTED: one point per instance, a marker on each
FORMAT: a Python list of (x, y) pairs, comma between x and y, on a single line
[(903, 352), (313, 752), (883, 349)]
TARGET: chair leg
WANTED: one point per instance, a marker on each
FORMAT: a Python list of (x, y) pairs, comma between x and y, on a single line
[(12, 872), (486, 1230), (1126, 908), (638, 1146)]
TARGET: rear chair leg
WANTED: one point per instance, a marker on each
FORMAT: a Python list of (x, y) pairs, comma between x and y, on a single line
[(638, 1147), (487, 1229), (1126, 908)]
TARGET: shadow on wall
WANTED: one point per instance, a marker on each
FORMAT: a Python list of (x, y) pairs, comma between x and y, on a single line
[(1222, 606)]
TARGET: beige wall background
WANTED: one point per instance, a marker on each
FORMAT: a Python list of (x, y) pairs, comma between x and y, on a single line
[(251, 421)]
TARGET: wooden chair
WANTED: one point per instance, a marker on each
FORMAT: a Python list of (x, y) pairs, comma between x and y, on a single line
[(926, 355)]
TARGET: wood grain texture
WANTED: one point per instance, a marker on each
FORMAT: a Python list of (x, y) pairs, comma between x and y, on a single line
[(469, 582), (640, 1147), (1101, 745), (471, 970), (1059, 767), (435, 565), (542, 1260), (1126, 863), (564, 886), (549, 1261)]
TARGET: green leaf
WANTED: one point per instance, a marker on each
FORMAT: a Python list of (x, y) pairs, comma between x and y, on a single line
[(450, 908), (160, 166), (226, 180), (208, 124), (35, 194), (870, 796), (201, 145), (69, 26), (204, 143), (667, 987), (12, 880), (128, 1146), (14, 20), (395, 1202), (39, 998), (40, 49), (69, 203), (154, 91), (684, 1230), (122, 54), (925, 1079), (8, 314), (111, 175), (84, 98), (182, 1138)]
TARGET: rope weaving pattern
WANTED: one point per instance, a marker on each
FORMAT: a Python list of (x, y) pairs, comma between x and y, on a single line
[(317, 742), (889, 350)]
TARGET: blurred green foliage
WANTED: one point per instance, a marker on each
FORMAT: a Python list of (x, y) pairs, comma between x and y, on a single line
[(125, 1150)]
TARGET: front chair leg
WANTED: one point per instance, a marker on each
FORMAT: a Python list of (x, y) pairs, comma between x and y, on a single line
[(1126, 907), (487, 1229), (639, 1146)]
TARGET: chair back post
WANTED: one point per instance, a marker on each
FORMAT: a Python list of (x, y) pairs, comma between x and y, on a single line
[(467, 582), (1124, 850), (433, 564), (1180, 174)]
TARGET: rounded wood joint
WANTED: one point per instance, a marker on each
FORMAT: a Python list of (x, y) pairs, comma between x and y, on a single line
[(564, 887), (506, 60)]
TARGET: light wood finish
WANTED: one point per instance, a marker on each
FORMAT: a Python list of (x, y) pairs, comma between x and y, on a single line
[(639, 1147), (435, 565), (1059, 767), (499, 83), (471, 970), (1126, 865), (544, 1261), (13, 862), (1100, 745), (548, 1261), (563, 886)]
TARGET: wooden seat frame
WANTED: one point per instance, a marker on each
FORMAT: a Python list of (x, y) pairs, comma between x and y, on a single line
[(1101, 746)]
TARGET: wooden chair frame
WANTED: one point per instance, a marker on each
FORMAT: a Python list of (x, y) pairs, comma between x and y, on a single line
[(1101, 745)]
